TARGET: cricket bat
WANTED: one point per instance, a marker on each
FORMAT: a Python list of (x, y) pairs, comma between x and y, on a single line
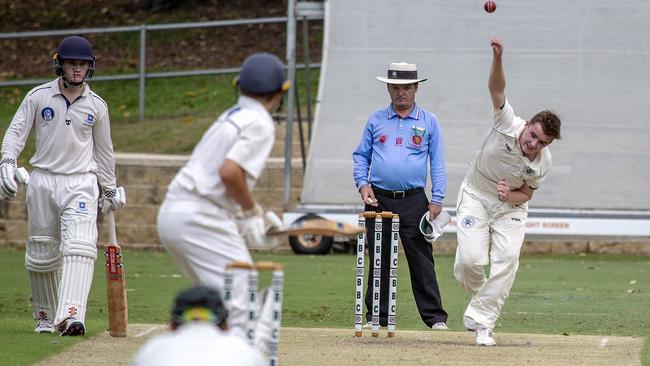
[(115, 283), (318, 227)]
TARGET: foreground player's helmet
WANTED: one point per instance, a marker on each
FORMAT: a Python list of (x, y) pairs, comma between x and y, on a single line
[(198, 304), (262, 73), (74, 48)]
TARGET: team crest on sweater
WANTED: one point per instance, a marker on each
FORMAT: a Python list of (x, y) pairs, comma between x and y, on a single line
[(47, 113)]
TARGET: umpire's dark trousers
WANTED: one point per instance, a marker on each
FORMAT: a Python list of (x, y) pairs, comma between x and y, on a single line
[(419, 255)]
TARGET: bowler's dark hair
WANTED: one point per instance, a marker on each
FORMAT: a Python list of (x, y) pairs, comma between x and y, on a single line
[(550, 123)]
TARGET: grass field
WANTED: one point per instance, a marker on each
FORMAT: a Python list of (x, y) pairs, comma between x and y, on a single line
[(571, 295)]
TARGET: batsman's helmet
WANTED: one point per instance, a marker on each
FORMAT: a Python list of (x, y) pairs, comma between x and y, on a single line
[(198, 304), (74, 48), (262, 73)]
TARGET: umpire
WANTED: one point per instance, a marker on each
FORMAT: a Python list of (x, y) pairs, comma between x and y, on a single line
[(390, 172)]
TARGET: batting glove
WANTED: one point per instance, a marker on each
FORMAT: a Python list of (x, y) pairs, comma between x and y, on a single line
[(112, 199), (8, 186), (253, 226)]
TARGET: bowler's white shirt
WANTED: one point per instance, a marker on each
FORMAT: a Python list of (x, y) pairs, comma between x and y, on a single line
[(500, 156), (69, 140), (244, 134), (196, 344)]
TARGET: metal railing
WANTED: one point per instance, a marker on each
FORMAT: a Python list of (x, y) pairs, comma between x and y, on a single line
[(142, 73)]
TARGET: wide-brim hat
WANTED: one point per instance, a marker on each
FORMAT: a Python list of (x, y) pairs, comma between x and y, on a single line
[(401, 73)]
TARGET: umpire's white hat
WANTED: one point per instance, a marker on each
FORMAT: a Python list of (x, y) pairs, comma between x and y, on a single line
[(401, 73)]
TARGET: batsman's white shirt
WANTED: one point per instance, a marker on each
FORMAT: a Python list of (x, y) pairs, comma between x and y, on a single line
[(197, 343), (195, 222), (490, 230), (69, 139), (244, 134)]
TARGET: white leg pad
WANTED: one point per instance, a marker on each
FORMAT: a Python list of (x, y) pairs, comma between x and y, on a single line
[(79, 248), (76, 279), (43, 261)]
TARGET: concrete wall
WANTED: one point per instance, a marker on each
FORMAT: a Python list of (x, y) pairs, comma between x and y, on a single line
[(145, 178)]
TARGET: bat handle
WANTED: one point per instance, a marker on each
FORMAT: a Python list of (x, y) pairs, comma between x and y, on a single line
[(112, 236)]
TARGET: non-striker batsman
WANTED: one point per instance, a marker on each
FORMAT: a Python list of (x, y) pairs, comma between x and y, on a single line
[(74, 153)]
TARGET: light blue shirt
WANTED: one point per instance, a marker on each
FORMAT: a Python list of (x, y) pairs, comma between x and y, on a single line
[(393, 152)]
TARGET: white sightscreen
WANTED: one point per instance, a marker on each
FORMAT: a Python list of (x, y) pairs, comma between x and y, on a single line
[(589, 61)]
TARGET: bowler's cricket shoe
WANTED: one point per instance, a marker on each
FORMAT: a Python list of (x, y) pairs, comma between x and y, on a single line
[(470, 324), (72, 327), (484, 336), (44, 326)]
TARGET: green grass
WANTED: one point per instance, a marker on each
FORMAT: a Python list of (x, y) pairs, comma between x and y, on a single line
[(572, 295)]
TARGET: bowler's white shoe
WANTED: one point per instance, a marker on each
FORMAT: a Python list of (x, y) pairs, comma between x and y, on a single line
[(44, 326), (484, 336), (440, 326), (470, 324)]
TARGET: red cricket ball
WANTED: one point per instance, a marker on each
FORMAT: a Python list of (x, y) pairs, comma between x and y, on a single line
[(490, 6)]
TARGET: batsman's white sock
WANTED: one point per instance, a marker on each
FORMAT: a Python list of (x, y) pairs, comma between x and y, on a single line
[(76, 279)]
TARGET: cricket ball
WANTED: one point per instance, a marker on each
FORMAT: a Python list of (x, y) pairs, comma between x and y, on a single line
[(490, 6)]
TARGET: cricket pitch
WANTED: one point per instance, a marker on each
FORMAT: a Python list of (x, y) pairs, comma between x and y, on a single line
[(319, 346)]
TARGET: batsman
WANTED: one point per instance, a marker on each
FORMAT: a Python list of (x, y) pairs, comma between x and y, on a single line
[(74, 153), (209, 217)]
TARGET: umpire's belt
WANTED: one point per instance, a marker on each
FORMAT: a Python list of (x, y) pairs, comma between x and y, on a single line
[(397, 194)]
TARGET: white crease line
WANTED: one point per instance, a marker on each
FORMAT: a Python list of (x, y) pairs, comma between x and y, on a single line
[(550, 313), (145, 332)]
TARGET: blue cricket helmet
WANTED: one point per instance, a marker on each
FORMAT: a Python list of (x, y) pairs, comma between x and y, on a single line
[(74, 48), (262, 73)]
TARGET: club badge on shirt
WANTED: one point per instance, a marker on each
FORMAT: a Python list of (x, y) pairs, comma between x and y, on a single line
[(47, 113), (382, 139)]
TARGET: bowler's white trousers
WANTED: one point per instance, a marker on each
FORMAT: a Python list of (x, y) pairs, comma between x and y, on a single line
[(489, 232), (203, 238)]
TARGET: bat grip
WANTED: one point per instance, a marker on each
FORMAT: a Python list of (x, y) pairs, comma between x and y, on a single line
[(112, 236)]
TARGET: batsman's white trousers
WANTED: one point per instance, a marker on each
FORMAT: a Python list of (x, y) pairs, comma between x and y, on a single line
[(489, 232), (203, 238)]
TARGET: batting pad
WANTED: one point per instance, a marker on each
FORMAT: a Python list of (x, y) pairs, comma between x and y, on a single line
[(264, 327), (76, 279), (43, 260)]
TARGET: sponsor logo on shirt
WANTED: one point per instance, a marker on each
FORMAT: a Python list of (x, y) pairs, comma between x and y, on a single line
[(82, 206), (382, 139), (399, 141), (529, 171), (47, 113), (508, 147), (90, 120)]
